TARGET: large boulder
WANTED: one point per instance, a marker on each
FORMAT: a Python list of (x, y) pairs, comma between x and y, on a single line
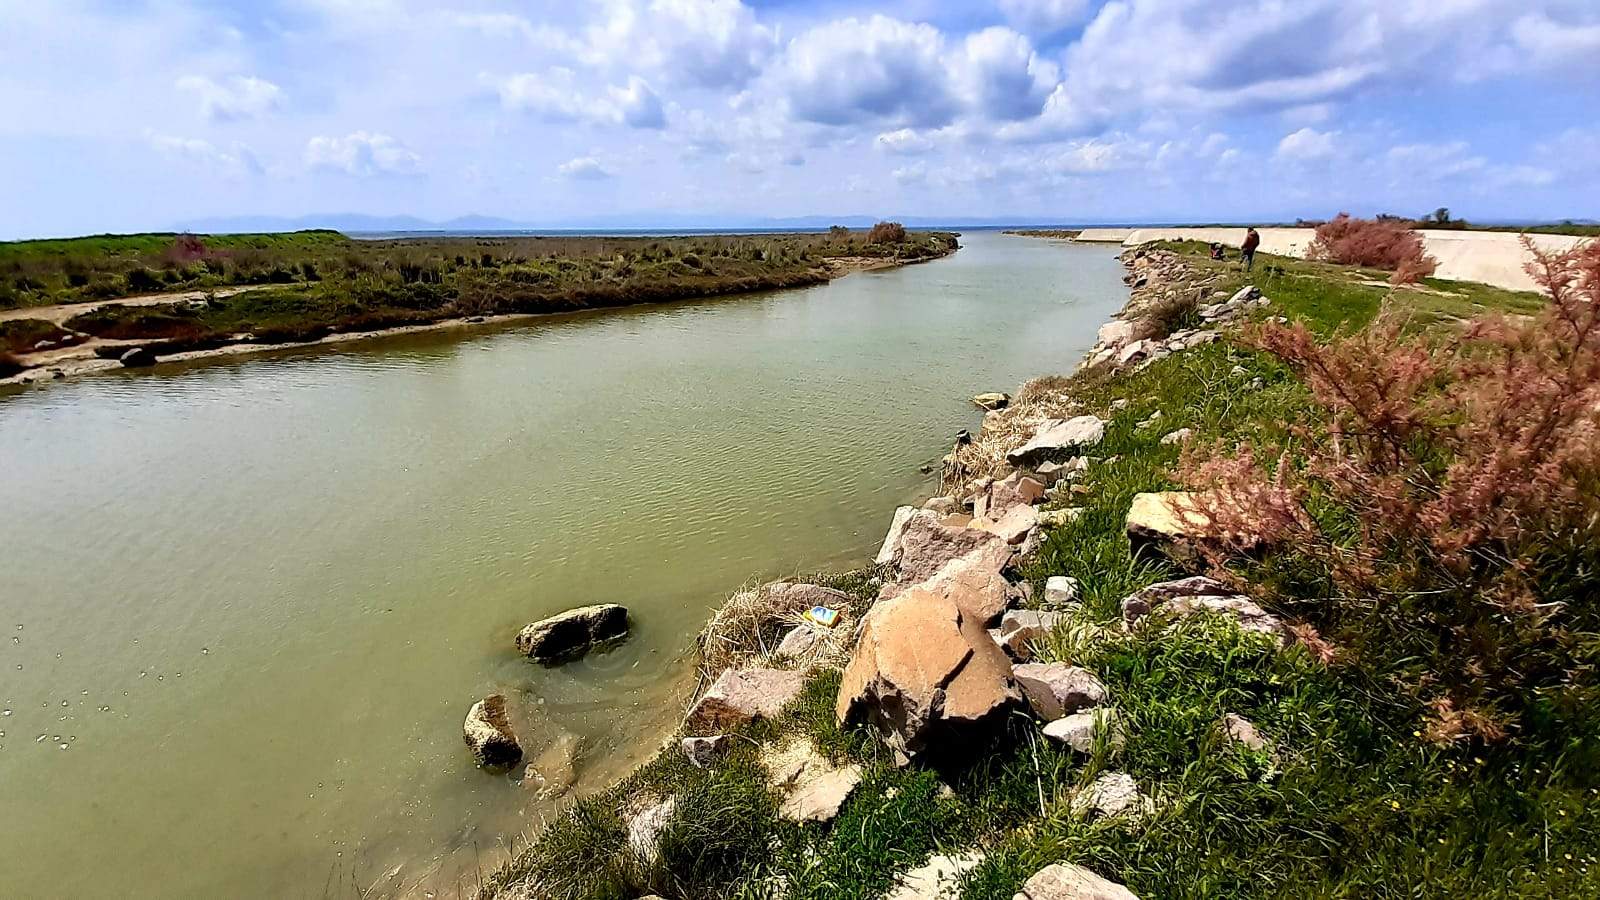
[(487, 731), (573, 633), (741, 696), (925, 672), (927, 542), (1012, 526), (973, 582), (1058, 435), (891, 541), (1065, 881), (1014, 489), (1055, 690)]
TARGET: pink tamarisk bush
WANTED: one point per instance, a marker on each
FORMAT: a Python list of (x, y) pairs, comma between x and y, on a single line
[(1452, 501), (1387, 244)]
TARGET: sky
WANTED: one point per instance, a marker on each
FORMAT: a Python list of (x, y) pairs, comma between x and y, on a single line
[(124, 115)]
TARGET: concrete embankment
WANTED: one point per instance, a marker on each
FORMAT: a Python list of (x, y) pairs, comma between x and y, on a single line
[(1490, 257)]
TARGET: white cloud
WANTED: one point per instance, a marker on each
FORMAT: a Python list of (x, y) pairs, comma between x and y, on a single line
[(1307, 144), (1553, 42), (638, 106), (1044, 17), (239, 160), (999, 76), (238, 97), (363, 154), (555, 95), (904, 142), (874, 70), (1429, 162), (584, 168)]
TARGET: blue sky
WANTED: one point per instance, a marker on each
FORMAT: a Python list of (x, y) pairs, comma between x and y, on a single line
[(143, 114)]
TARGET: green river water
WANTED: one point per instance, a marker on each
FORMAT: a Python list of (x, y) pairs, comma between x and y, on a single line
[(248, 601)]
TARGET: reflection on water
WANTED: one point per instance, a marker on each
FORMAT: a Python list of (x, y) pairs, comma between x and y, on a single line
[(250, 601)]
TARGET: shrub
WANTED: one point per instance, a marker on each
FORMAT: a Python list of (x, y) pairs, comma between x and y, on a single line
[(1168, 314), (1454, 503), (1383, 243), (886, 233), (143, 280)]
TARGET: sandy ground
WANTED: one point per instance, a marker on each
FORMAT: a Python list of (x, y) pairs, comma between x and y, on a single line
[(1488, 257), (61, 312)]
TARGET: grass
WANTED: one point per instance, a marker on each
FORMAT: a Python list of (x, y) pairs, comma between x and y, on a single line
[(319, 283), (104, 267), (1349, 802)]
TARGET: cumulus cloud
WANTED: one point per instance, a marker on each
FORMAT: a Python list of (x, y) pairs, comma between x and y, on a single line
[(1044, 17), (1307, 144), (1000, 76), (238, 97), (878, 69), (584, 168), (363, 154), (556, 95)]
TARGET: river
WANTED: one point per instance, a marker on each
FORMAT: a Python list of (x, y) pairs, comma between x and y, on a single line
[(249, 600)]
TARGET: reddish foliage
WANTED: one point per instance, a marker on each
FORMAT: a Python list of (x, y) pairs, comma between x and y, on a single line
[(1465, 483), (185, 249), (1387, 244), (886, 233)]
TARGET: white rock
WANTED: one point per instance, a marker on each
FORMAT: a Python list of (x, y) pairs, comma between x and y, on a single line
[(937, 879), (1055, 690), (1064, 881), (1079, 730), (1177, 437), (644, 830), (1112, 794), (1060, 591)]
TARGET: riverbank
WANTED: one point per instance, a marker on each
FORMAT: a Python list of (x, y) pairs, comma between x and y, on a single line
[(65, 340), (1253, 733)]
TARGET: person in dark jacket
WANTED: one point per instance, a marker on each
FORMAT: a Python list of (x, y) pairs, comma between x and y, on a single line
[(1247, 250)]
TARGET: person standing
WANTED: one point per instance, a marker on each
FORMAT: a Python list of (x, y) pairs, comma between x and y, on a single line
[(1247, 250)]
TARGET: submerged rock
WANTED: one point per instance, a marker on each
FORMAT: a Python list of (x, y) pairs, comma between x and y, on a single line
[(740, 696), (488, 732), (992, 400), (555, 770), (1065, 881), (573, 633)]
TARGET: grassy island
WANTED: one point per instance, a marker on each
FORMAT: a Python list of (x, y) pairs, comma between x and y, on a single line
[(189, 292)]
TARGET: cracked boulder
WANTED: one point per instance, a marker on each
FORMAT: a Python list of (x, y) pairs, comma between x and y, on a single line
[(925, 674), (925, 542), (973, 582)]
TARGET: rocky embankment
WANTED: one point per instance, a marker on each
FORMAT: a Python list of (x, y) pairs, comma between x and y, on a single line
[(937, 656)]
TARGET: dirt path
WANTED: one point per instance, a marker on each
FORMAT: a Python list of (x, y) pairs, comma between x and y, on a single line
[(61, 312)]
